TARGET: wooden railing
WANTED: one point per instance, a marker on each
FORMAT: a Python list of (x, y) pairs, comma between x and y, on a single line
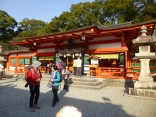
[(93, 70), (107, 72), (43, 69), (20, 69), (118, 73)]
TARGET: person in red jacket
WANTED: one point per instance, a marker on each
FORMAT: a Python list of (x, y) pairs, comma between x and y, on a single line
[(33, 78)]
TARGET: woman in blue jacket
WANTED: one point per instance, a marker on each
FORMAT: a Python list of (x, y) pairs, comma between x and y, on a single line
[(55, 79)]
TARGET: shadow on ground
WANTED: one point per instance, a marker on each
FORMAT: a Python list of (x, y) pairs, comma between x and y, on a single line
[(14, 103)]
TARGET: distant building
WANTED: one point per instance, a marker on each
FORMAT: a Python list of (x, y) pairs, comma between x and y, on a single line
[(111, 45)]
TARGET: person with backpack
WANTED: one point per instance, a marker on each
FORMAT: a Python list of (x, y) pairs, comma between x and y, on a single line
[(28, 68), (33, 78), (55, 78)]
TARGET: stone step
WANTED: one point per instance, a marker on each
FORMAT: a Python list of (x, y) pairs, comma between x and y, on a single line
[(119, 82), (143, 92), (84, 79), (89, 82), (97, 87), (81, 82), (95, 83)]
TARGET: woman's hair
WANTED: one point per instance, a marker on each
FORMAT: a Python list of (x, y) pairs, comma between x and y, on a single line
[(69, 111), (55, 67)]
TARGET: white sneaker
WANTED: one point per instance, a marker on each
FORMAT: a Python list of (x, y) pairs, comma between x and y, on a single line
[(32, 109)]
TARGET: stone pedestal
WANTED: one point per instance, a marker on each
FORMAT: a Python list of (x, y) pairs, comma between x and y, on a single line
[(143, 92), (145, 85), (145, 71)]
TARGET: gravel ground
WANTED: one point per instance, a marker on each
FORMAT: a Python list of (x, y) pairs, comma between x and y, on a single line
[(107, 102)]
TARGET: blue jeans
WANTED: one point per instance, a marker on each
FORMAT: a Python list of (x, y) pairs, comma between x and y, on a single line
[(79, 71)]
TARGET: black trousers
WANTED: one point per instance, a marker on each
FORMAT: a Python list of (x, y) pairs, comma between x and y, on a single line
[(1, 74), (34, 95), (66, 84), (75, 71), (55, 93)]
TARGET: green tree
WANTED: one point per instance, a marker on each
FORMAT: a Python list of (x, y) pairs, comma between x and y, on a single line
[(86, 14), (29, 28), (146, 10), (7, 26), (52, 27), (99, 12), (80, 15), (119, 11)]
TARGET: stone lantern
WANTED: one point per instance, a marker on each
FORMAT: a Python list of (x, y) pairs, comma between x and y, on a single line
[(145, 80)]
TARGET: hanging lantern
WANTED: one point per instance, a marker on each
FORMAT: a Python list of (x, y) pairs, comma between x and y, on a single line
[(68, 54), (77, 54), (60, 54)]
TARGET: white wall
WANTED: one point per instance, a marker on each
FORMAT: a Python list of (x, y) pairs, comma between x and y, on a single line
[(13, 54), (104, 38), (26, 54), (46, 50), (108, 45)]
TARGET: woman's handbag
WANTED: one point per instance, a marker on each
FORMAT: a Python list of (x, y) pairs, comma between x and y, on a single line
[(49, 84)]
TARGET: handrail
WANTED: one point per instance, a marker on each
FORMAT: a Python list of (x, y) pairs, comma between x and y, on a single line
[(119, 73), (107, 72), (20, 69)]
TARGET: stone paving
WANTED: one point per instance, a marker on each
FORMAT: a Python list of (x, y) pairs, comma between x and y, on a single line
[(107, 102)]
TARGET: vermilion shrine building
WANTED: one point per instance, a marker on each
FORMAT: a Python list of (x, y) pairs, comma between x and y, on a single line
[(106, 51)]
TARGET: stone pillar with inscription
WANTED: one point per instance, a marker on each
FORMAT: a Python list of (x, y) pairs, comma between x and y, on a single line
[(145, 80)]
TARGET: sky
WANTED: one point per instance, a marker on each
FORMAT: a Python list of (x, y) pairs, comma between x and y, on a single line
[(43, 10)]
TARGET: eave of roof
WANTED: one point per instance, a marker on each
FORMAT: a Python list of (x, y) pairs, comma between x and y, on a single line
[(3, 54), (15, 51), (127, 25), (90, 31)]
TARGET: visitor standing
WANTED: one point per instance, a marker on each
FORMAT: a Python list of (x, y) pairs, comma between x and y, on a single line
[(33, 78), (65, 75), (60, 64), (55, 79), (50, 67), (79, 65), (75, 66)]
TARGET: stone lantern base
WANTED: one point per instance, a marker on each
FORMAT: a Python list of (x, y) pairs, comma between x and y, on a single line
[(143, 92), (146, 89)]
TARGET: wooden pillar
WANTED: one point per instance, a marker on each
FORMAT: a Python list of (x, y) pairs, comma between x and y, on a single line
[(123, 36), (126, 59)]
